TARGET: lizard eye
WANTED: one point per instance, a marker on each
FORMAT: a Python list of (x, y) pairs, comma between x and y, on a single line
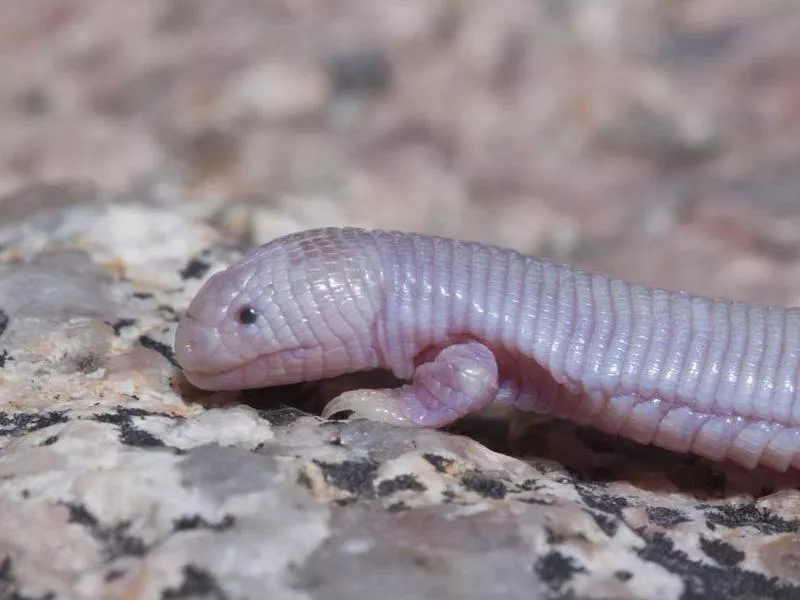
[(247, 315)]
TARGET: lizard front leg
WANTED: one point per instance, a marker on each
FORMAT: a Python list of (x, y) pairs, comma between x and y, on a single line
[(459, 380)]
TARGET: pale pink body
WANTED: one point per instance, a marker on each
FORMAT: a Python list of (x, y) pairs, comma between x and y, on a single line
[(469, 324)]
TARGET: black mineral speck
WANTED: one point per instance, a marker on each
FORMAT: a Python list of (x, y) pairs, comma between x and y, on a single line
[(608, 524), (603, 502), (163, 349), (50, 441), (555, 537), (623, 575), (749, 515), (401, 482), (4, 358), (485, 486), (3, 321), (556, 570), (80, 515), (21, 423), (355, 476), (281, 417), (121, 324), (530, 485), (197, 584), (170, 314), (142, 295), (115, 539), (439, 463), (666, 517), (605, 509), (198, 522), (448, 496), (88, 363), (195, 269), (711, 582), (722, 552), (129, 433)]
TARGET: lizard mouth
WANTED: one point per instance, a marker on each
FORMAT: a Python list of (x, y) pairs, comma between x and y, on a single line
[(272, 368)]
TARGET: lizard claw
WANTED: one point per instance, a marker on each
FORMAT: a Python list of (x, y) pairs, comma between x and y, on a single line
[(461, 379), (374, 405)]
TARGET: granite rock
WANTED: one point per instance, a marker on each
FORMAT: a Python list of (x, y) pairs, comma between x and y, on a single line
[(120, 480), (146, 145)]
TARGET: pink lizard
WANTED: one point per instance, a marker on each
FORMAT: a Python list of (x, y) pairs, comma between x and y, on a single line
[(467, 325)]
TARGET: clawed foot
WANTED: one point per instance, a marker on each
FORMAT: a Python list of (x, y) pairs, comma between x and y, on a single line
[(460, 380), (373, 405)]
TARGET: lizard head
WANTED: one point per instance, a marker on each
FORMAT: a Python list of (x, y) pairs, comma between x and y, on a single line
[(299, 308)]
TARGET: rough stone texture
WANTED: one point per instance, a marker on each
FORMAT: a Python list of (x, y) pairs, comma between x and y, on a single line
[(145, 144)]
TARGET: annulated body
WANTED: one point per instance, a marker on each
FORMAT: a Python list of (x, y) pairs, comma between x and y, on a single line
[(470, 324)]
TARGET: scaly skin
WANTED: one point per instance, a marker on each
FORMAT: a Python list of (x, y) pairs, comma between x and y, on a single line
[(468, 324)]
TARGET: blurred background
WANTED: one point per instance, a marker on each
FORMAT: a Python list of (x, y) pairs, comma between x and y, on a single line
[(657, 140)]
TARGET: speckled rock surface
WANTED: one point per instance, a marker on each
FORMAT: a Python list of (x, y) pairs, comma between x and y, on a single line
[(146, 145), (118, 480)]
